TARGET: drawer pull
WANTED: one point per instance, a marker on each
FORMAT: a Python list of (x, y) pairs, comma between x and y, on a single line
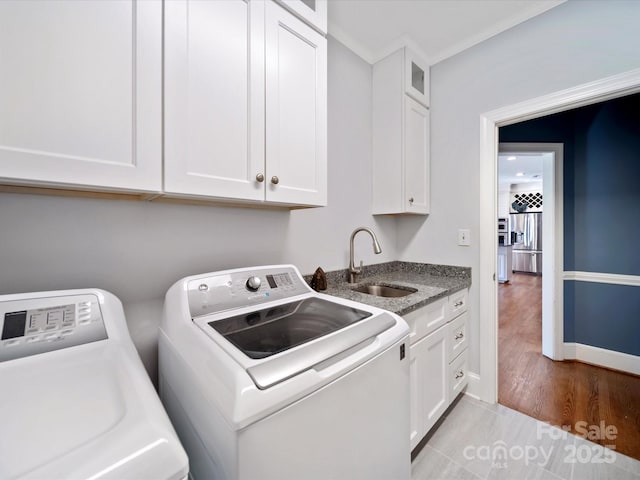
[(459, 336), (458, 304), (459, 374)]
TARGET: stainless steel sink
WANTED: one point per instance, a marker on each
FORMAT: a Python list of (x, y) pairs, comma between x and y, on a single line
[(385, 290)]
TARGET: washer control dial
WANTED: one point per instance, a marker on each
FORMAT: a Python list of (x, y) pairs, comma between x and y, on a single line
[(253, 284)]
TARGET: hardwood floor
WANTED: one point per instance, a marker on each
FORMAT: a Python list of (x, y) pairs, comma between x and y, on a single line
[(561, 393)]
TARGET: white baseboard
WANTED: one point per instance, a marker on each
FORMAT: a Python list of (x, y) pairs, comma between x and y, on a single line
[(602, 357), (473, 387)]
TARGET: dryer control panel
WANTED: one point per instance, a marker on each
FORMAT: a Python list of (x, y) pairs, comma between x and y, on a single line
[(37, 325)]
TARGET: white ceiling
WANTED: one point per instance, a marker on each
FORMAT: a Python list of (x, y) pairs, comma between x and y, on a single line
[(530, 164), (436, 28)]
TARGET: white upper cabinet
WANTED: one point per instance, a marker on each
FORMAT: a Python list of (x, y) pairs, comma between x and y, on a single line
[(296, 110), (314, 12), (245, 103), (214, 99), (80, 95), (416, 77), (400, 137)]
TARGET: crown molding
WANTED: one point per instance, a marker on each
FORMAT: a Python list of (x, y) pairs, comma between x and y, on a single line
[(349, 42), (372, 57), (535, 10)]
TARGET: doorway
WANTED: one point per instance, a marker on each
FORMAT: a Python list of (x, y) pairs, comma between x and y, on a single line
[(533, 174), (604, 89), (567, 393)]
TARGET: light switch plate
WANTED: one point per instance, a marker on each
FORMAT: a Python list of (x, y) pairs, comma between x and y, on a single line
[(464, 237)]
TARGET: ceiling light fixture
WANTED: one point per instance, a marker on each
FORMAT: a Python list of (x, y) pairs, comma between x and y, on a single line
[(512, 158), (520, 174)]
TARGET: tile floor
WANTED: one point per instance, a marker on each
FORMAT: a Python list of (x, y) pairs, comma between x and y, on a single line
[(477, 440)]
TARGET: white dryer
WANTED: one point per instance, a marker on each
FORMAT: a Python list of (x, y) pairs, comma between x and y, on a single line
[(75, 400), (264, 378)]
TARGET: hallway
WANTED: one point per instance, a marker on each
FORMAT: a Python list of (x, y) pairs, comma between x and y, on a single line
[(561, 393)]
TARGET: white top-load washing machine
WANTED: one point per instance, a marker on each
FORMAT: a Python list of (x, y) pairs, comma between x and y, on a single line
[(264, 378), (75, 400)]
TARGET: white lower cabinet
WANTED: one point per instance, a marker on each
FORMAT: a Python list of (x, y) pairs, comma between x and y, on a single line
[(428, 383), (437, 359)]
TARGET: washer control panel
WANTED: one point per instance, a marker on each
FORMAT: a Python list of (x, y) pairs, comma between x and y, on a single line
[(38, 325), (241, 288)]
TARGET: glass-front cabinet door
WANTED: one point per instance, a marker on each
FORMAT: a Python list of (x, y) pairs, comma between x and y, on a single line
[(416, 77)]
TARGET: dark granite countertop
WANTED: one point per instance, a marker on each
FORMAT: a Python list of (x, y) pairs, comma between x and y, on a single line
[(431, 282)]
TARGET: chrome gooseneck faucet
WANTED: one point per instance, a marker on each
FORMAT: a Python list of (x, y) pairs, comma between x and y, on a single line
[(353, 271)]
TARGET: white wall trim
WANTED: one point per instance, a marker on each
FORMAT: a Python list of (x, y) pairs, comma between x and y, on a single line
[(592, 92), (374, 57), (397, 44), (533, 11), (348, 41), (602, 357), (610, 278), (473, 387)]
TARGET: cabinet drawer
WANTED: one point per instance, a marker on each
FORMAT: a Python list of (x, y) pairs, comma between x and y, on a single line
[(458, 337), (458, 375), (426, 319), (458, 303)]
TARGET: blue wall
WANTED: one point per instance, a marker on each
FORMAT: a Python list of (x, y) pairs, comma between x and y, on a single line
[(601, 215)]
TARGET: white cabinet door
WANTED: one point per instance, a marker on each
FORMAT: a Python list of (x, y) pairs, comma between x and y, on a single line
[(296, 110), (416, 77), (416, 161), (429, 386), (80, 95), (416, 431), (313, 11), (214, 98), (434, 378)]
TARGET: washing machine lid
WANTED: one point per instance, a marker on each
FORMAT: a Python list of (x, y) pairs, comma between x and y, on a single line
[(84, 412), (265, 332), (293, 337)]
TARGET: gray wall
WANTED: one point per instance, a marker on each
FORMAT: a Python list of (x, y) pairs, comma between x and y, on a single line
[(574, 43), (138, 249)]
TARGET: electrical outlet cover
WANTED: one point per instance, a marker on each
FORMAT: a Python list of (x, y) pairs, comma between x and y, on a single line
[(464, 237)]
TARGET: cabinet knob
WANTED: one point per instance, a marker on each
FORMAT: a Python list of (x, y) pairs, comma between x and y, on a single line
[(459, 374), (259, 178), (411, 200), (275, 180), (458, 304), (459, 336)]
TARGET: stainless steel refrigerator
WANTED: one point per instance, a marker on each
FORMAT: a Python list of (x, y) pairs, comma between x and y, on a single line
[(526, 236)]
